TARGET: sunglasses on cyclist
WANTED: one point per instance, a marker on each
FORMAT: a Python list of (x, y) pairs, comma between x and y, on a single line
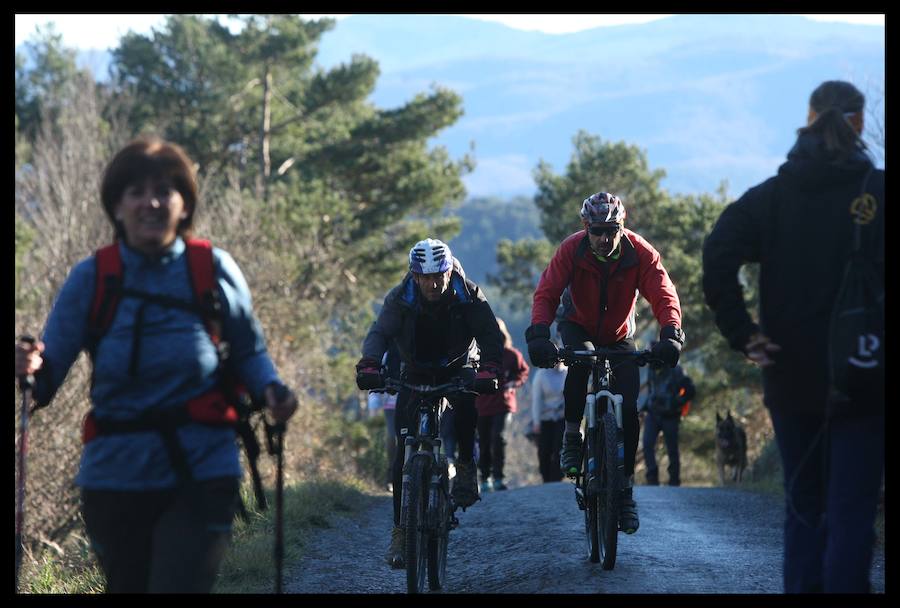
[(609, 231)]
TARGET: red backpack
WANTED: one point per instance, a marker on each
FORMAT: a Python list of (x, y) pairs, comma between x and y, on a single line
[(227, 404)]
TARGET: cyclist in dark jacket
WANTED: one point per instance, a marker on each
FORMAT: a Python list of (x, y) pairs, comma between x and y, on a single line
[(797, 226), (439, 321), (602, 269)]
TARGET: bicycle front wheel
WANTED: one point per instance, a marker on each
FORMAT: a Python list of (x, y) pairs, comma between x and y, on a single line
[(438, 541), (589, 481), (416, 523), (610, 489)]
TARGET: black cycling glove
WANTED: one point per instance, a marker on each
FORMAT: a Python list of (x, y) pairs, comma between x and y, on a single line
[(541, 351)]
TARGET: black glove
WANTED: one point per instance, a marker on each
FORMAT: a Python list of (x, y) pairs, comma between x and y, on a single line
[(486, 380), (368, 374), (668, 349), (541, 351)]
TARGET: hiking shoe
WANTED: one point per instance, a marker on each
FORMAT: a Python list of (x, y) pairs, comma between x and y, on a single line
[(394, 555), (465, 485), (499, 486), (570, 454), (628, 516)]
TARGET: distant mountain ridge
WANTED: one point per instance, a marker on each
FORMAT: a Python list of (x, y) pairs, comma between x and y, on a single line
[(709, 97)]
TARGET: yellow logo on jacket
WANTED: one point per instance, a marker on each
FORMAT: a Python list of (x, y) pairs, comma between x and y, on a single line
[(863, 208)]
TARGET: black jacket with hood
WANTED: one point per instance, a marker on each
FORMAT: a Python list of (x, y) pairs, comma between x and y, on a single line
[(472, 326), (798, 227)]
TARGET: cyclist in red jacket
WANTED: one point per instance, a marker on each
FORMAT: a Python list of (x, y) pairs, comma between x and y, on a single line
[(598, 272)]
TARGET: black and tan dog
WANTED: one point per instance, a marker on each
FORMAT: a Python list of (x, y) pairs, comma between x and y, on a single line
[(731, 447)]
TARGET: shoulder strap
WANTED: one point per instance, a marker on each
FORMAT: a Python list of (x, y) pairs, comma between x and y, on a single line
[(201, 273), (107, 291)]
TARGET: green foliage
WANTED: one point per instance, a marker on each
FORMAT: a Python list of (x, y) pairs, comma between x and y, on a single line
[(41, 73), (596, 166), (521, 263), (484, 222)]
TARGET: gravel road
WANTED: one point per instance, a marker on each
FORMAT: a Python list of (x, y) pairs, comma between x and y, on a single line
[(531, 540)]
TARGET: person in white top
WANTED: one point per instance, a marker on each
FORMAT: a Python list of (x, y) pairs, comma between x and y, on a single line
[(548, 418)]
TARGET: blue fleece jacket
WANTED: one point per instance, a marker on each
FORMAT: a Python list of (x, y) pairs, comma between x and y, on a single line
[(176, 362)]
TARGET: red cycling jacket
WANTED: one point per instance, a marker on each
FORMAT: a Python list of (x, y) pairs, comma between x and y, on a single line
[(607, 314)]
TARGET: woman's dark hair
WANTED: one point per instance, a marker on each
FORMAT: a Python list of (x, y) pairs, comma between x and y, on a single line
[(149, 158), (832, 101)]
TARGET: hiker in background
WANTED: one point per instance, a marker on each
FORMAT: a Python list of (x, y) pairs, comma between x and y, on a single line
[(669, 392), (799, 227), (548, 417), (495, 412), (385, 401), (159, 487)]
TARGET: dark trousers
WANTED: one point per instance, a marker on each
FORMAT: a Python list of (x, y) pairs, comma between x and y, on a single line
[(390, 440), (625, 381), (831, 483), (165, 541), (448, 434), (406, 418), (549, 444), (668, 425), (492, 445)]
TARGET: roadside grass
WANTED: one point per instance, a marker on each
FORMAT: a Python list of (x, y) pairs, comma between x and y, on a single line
[(248, 566)]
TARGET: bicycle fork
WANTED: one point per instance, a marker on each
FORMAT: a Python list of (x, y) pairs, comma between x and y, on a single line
[(617, 400)]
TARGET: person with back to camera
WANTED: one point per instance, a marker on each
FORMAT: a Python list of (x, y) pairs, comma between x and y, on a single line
[(799, 226), (494, 413), (548, 418), (159, 471), (439, 320), (669, 390), (602, 269)]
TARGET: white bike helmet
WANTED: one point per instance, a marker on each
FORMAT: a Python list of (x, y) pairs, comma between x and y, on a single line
[(430, 256)]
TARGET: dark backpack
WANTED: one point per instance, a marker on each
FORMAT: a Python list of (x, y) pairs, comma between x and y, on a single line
[(669, 398), (228, 404), (856, 332)]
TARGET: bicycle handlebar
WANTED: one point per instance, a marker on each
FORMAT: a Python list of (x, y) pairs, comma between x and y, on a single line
[(448, 388), (641, 357)]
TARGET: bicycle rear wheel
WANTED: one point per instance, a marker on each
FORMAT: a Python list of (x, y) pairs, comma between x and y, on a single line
[(438, 541), (416, 523), (610, 489), (590, 485)]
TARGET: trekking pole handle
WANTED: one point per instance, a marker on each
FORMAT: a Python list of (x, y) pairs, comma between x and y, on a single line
[(26, 381)]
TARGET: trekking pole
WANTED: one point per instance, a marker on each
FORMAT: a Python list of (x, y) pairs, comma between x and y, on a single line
[(279, 505), (275, 441), (25, 384)]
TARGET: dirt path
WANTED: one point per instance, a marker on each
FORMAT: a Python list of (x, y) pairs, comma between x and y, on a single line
[(531, 540)]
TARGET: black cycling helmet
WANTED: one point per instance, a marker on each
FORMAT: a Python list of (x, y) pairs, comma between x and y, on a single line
[(603, 208)]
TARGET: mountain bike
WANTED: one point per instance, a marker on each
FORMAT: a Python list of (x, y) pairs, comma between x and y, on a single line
[(427, 511), (599, 481)]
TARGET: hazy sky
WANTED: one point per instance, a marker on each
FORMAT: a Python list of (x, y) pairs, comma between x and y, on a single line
[(101, 31)]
